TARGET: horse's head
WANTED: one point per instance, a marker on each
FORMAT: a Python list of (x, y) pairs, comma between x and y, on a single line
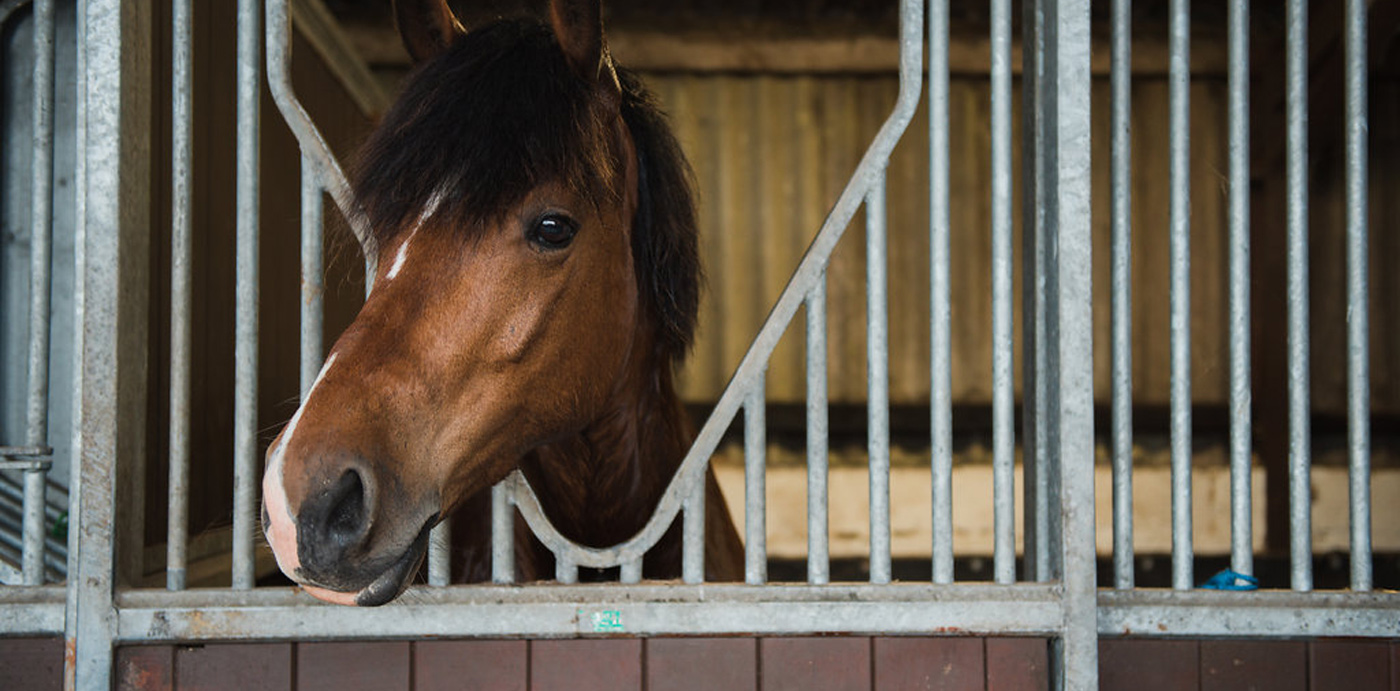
[(525, 268)]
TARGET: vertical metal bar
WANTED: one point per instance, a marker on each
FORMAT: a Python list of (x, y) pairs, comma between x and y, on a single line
[(1299, 409), (1069, 374), (818, 564), (40, 261), (877, 353), (693, 533), (181, 251), (502, 533), (631, 571), (1003, 385), (246, 298), (565, 570), (940, 297), (1121, 294), (1180, 257), (440, 554), (1035, 162), (1358, 316), (1241, 426), (755, 497), (313, 282)]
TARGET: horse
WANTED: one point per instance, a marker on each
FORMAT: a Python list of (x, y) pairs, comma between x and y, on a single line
[(537, 285)]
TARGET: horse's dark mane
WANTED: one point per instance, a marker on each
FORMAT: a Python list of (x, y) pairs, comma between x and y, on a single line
[(499, 113)]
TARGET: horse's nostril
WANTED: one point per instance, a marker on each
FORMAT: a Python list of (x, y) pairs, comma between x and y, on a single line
[(346, 515)]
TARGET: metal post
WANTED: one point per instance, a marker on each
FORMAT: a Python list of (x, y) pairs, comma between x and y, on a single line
[(1241, 434), (440, 554), (40, 261), (181, 251), (693, 533), (1003, 384), (313, 282), (502, 532), (818, 563), (245, 411), (877, 353), (1180, 257), (1299, 409), (1358, 316), (940, 297), (755, 498), (1121, 293)]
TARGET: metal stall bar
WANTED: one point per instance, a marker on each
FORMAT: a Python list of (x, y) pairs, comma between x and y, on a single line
[(1069, 374), (818, 560), (755, 496), (40, 260), (1358, 316), (313, 281), (502, 534), (1121, 294), (112, 235), (693, 534), (1003, 384), (940, 297), (181, 251), (1180, 257), (246, 298), (1299, 410), (1038, 547), (877, 357), (1241, 433)]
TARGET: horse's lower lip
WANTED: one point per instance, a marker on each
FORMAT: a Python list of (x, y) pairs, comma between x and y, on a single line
[(389, 584)]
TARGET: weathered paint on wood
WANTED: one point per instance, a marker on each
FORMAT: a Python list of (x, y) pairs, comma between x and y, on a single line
[(265, 666), (383, 665), (1349, 665), (693, 664), (143, 668), (805, 663), (1018, 664), (948, 664), (31, 663), (482, 665), (1149, 664), (613, 664), (1242, 665)]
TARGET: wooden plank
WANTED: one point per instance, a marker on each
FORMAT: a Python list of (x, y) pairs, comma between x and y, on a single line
[(143, 668), (1148, 665), (1336, 664), (586, 664), (1018, 664), (1395, 666), (234, 666), (1243, 664), (800, 664), (382, 665), (692, 664), (951, 664), (31, 663), (483, 665)]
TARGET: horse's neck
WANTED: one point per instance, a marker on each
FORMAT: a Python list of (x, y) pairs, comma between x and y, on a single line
[(600, 486)]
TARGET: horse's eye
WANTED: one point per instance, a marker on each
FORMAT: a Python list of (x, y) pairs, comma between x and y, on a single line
[(552, 231)]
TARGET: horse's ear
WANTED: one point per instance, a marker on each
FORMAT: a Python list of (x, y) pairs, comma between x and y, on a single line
[(427, 27), (578, 25)]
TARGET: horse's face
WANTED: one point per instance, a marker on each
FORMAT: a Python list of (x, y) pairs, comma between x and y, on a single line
[(475, 346)]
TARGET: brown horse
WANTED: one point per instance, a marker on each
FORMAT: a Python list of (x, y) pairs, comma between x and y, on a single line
[(538, 282)]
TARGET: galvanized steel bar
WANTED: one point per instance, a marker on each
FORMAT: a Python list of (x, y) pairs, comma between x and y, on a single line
[(440, 554), (877, 363), (565, 569), (502, 533), (1003, 384), (1069, 375), (1180, 256), (1241, 427), (1299, 408), (818, 561), (940, 297), (313, 282), (181, 299), (245, 410), (693, 534), (1121, 293), (1358, 314), (40, 261), (631, 571), (755, 496)]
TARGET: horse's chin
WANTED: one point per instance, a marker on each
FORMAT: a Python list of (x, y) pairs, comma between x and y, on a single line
[(388, 585)]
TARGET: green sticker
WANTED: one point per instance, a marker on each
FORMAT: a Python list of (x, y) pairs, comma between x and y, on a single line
[(607, 621)]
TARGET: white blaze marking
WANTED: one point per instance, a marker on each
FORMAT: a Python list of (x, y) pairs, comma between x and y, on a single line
[(428, 210), (281, 528)]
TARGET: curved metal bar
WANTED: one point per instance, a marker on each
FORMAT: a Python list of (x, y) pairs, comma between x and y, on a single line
[(809, 271), (313, 146), (8, 8)]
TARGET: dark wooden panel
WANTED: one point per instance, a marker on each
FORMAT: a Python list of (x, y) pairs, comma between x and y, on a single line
[(1127, 664), (234, 667), (382, 666), (145, 667), (31, 663), (1232, 665), (692, 664), (1348, 665), (1018, 664), (951, 664), (586, 664), (1395, 666), (800, 664), (483, 665)]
